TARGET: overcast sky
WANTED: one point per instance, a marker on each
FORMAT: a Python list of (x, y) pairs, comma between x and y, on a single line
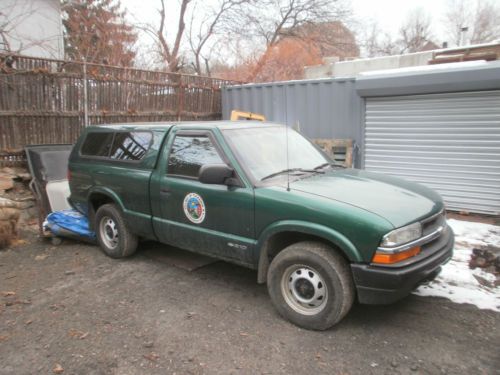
[(388, 13), (391, 13)]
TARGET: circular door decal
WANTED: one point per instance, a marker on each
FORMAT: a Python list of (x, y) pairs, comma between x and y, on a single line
[(194, 208)]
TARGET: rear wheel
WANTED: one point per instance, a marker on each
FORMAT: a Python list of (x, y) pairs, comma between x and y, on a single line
[(112, 233), (311, 285)]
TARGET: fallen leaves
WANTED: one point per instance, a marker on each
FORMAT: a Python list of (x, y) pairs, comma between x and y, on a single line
[(153, 357), (19, 242), (77, 334), (41, 256), (8, 294), (3, 338), (58, 369)]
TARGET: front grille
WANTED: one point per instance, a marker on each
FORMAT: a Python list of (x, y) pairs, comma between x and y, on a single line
[(432, 223)]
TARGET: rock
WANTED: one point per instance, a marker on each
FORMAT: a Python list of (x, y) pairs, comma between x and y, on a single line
[(149, 344), (57, 369), (486, 257), (480, 262), (25, 177), (6, 183), (56, 241), (9, 217), (8, 171)]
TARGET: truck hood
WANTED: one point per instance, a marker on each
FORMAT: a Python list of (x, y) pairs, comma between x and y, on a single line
[(399, 201)]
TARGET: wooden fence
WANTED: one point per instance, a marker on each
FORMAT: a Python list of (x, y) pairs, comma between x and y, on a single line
[(51, 101)]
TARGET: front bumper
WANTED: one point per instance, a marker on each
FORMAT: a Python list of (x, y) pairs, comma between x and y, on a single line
[(384, 285)]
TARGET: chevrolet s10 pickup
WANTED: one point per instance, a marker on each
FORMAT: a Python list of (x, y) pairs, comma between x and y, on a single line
[(262, 196)]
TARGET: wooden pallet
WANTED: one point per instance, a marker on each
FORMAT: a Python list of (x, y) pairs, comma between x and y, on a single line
[(340, 150)]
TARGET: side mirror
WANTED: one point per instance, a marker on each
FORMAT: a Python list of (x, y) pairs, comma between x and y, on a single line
[(216, 174)]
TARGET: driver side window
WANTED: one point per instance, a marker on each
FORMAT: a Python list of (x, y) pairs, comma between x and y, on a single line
[(189, 153)]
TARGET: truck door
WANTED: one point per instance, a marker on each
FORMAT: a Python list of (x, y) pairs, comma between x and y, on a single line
[(211, 219)]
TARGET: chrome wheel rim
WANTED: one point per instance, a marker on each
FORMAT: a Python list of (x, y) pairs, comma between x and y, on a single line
[(304, 289), (109, 232)]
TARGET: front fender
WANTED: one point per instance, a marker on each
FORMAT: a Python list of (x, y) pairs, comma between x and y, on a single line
[(332, 236)]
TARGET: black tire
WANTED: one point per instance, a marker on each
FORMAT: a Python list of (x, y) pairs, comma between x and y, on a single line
[(117, 233), (318, 264)]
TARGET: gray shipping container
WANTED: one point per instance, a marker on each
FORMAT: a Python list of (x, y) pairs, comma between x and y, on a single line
[(324, 108)]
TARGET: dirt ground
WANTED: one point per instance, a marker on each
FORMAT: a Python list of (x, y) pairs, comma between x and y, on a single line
[(69, 309)]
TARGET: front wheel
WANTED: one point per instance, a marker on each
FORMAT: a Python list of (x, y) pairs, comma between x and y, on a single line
[(311, 285), (112, 233)]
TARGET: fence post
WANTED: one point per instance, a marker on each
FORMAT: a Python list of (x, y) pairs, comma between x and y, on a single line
[(85, 98), (180, 105)]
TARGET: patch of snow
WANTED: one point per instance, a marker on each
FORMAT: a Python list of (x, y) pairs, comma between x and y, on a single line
[(457, 281), (425, 68)]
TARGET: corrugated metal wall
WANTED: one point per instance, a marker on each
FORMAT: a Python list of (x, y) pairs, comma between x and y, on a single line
[(449, 142), (327, 108)]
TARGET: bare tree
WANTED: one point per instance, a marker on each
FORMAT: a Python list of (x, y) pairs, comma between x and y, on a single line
[(376, 42), (473, 21), (456, 21), (170, 52), (415, 32), (171, 55), (486, 22), (267, 20), (12, 15), (214, 21)]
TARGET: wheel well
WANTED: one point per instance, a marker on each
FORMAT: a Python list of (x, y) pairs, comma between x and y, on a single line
[(278, 242), (96, 200)]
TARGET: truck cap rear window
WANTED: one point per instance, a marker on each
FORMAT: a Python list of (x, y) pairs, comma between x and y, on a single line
[(97, 144), (127, 146)]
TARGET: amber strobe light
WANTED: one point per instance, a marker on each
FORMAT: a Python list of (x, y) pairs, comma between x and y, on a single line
[(387, 258)]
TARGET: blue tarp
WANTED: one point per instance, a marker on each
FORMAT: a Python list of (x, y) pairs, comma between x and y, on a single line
[(69, 223)]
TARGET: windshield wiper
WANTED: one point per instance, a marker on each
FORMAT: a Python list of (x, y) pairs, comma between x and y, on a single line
[(328, 165), (289, 171)]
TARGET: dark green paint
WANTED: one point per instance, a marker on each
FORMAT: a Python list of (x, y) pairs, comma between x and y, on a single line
[(351, 209)]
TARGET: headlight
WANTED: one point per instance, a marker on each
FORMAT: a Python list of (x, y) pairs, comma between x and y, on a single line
[(392, 249), (402, 235)]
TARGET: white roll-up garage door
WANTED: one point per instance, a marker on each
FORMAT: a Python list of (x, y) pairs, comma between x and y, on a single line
[(449, 142)]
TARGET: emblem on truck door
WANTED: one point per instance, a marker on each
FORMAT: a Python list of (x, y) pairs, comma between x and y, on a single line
[(194, 208)]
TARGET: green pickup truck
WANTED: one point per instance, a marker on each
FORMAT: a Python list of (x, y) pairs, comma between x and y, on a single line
[(264, 197)]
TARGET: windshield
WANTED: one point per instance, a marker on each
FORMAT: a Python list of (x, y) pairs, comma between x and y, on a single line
[(262, 151)]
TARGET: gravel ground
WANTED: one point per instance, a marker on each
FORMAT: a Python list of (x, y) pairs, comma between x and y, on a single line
[(75, 311)]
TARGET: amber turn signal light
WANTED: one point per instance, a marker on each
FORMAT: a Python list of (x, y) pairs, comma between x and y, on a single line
[(385, 258)]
